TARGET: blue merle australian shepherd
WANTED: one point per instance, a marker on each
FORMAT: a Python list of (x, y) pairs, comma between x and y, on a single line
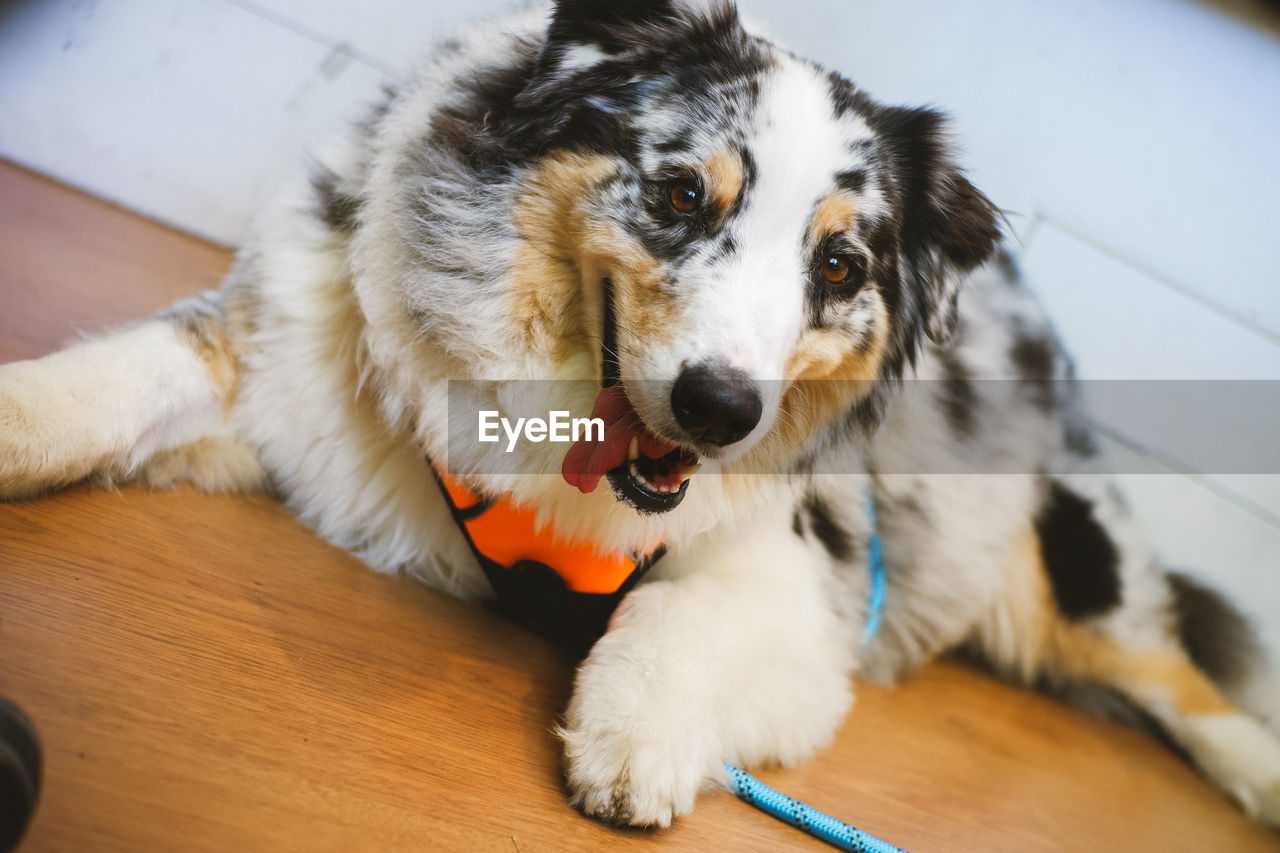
[(733, 260)]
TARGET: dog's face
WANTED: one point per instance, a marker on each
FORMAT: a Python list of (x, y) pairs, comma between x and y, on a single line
[(744, 243)]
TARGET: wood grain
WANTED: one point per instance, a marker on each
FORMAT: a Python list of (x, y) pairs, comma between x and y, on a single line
[(208, 675)]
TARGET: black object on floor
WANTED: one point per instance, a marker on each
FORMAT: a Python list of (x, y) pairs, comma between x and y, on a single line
[(19, 773)]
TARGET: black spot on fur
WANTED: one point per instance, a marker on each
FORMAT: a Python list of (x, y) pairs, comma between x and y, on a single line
[(1035, 356), (726, 246), (852, 181), (750, 170), (1079, 556), (847, 98), (473, 125), (678, 144), (797, 524), (612, 25), (900, 504), (1079, 440), (827, 529), (863, 416), (1217, 636), (339, 210), (1008, 266), (957, 395)]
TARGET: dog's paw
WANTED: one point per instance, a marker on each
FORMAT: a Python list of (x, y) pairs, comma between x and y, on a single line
[(1242, 757), (643, 773), (632, 779), (641, 735), (22, 459), (666, 696)]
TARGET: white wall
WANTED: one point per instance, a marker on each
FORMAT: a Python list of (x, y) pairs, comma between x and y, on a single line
[(1135, 144)]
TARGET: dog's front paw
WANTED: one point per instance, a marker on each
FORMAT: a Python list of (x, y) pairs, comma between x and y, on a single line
[(643, 772), (641, 735), (1242, 756), (644, 779)]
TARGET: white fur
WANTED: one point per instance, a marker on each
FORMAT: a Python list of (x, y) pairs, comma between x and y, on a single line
[(727, 654), (69, 414), (1241, 756)]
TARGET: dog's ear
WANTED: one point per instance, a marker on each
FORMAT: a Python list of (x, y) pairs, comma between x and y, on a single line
[(614, 27), (949, 227)]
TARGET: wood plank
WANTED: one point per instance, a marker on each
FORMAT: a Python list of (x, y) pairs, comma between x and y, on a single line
[(209, 675)]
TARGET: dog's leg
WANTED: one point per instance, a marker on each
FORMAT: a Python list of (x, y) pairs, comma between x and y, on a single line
[(1136, 652), (1233, 748), (732, 653), (146, 403)]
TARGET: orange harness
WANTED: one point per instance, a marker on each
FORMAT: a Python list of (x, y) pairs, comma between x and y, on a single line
[(561, 587)]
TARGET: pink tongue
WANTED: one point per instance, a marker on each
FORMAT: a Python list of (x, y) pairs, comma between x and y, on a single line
[(588, 461)]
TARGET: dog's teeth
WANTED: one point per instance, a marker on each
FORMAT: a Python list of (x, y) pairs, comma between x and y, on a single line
[(638, 477), (633, 452), (684, 472)]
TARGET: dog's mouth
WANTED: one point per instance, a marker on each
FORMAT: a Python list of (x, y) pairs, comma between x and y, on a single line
[(646, 471)]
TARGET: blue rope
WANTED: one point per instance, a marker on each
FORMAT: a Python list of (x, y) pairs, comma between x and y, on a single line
[(789, 810), (837, 833)]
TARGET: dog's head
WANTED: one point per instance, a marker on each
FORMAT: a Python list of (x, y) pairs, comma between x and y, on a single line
[(746, 246)]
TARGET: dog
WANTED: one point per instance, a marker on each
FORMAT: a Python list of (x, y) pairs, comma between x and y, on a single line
[(778, 299)]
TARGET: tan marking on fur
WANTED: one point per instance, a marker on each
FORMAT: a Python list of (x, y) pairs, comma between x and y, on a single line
[(200, 324), (1078, 651), (829, 372), (724, 178), (546, 279), (835, 214), (565, 253), (243, 310), (644, 307), (840, 353)]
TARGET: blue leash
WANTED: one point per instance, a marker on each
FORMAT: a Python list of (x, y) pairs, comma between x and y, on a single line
[(875, 563), (823, 826)]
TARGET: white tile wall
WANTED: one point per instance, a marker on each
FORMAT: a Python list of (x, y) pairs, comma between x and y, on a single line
[(1134, 143), (187, 110), (1120, 322), (389, 33)]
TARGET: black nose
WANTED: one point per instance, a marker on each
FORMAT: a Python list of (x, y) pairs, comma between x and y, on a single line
[(715, 404)]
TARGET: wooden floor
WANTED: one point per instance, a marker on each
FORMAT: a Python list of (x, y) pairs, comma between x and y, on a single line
[(208, 675)]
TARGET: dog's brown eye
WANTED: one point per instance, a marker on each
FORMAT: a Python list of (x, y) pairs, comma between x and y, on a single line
[(835, 269), (683, 196)]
